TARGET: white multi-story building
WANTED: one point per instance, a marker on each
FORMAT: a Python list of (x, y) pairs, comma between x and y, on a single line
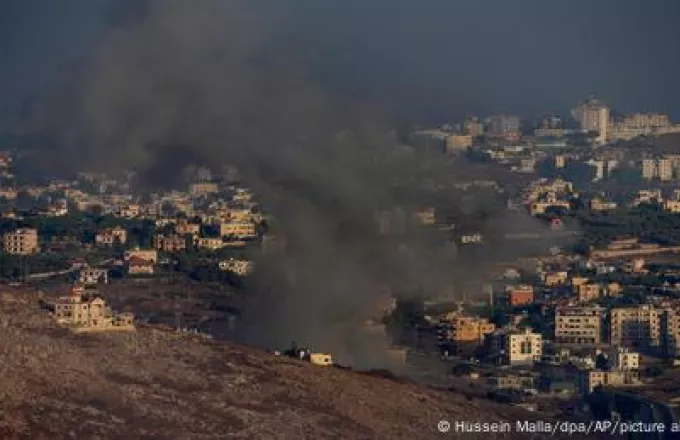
[(516, 347)]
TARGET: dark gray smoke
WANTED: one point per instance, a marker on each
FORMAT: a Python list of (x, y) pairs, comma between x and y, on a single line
[(208, 83)]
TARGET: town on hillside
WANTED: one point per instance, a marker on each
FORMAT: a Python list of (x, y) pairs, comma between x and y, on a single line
[(585, 324)]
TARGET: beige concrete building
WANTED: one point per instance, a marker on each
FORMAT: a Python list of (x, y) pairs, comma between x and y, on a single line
[(593, 116), (23, 241), (670, 333), (588, 292), (591, 379), (110, 236), (426, 216), (183, 227), (623, 359), (579, 325), (89, 313), (556, 278), (516, 347), (141, 254), (672, 206), (238, 229), (321, 359), (238, 267), (203, 188), (457, 142), (170, 243), (636, 326), (91, 276), (140, 266), (209, 243)]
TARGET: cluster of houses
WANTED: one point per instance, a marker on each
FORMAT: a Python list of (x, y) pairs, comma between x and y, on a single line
[(572, 304)]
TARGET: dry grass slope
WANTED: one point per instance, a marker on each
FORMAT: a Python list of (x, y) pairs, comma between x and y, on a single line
[(156, 384)]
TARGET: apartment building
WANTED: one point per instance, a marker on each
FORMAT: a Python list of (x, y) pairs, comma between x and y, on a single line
[(23, 241), (515, 347), (593, 116), (636, 326), (579, 325), (670, 333)]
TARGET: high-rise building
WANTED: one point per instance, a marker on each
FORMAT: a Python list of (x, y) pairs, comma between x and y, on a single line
[(593, 116)]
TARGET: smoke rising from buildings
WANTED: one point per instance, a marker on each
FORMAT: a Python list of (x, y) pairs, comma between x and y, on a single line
[(208, 83)]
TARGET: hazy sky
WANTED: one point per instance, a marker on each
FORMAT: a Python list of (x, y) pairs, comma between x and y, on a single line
[(425, 59)]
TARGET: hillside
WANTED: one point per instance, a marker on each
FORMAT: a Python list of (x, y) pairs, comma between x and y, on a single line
[(162, 385)]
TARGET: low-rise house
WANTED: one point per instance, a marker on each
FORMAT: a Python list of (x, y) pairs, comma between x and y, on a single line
[(141, 254), (209, 243), (425, 216), (555, 278), (183, 227), (588, 292), (84, 313), (520, 295), (240, 230), (321, 359), (140, 266), (512, 381), (110, 236), (239, 267), (129, 211), (591, 379), (624, 359), (91, 276), (170, 243)]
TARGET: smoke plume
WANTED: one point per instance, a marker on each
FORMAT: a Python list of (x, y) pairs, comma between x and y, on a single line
[(210, 83)]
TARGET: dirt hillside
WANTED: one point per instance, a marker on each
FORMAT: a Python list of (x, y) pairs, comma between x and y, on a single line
[(157, 384)]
